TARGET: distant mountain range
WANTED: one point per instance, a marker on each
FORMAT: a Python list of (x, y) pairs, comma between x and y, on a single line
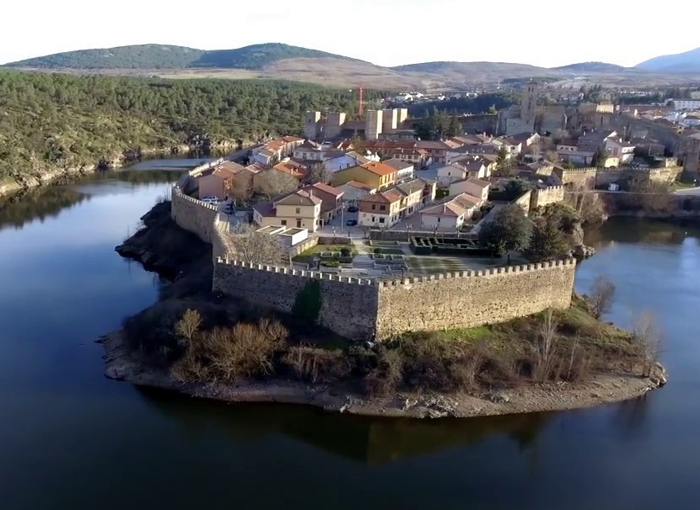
[(277, 60), (687, 62)]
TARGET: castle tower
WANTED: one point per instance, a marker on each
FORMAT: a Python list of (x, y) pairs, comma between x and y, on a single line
[(390, 120), (373, 124), (691, 155), (311, 124), (528, 102), (334, 124)]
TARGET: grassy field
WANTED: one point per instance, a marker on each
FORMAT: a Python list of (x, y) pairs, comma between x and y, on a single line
[(434, 265)]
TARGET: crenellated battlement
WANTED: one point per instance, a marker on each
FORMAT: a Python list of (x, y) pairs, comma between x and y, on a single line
[(388, 282), (180, 195), (319, 275)]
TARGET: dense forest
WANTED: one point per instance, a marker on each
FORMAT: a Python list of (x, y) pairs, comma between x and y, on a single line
[(62, 120), (160, 56)]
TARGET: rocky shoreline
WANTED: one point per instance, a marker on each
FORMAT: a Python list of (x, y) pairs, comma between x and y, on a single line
[(45, 175), (528, 398)]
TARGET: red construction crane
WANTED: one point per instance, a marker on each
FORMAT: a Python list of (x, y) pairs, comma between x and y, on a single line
[(362, 104)]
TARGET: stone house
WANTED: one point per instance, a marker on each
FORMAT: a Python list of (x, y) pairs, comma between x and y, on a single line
[(311, 151), (354, 190), (293, 168), (450, 214), (404, 169), (219, 181), (331, 200), (386, 208), (462, 169), (374, 174), (298, 209), (345, 160), (380, 209), (617, 148), (475, 187)]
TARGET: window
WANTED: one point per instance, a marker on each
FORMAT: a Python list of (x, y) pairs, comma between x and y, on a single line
[(381, 220), (374, 207), (298, 210), (382, 208), (284, 223), (438, 219), (298, 223)]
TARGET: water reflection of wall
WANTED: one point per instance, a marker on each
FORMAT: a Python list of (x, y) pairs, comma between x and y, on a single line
[(365, 440)]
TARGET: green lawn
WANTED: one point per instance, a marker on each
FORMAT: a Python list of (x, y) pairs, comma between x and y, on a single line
[(680, 185), (307, 256), (388, 251), (433, 265), (465, 334)]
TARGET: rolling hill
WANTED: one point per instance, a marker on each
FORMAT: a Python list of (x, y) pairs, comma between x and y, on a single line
[(687, 62), (283, 61), (158, 56), (591, 67)]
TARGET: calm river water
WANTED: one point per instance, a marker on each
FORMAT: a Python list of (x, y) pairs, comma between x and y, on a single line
[(71, 439)]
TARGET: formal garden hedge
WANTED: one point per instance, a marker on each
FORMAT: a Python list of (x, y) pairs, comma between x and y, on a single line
[(448, 246)]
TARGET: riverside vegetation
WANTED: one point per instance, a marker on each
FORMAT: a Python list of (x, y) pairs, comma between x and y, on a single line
[(61, 121), (193, 338)]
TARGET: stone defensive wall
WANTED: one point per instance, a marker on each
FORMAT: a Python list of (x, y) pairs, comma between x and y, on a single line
[(545, 196), (364, 308), (347, 306), (473, 298), (193, 215), (590, 178), (378, 309)]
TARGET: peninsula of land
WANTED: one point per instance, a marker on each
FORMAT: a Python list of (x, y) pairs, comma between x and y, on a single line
[(234, 350)]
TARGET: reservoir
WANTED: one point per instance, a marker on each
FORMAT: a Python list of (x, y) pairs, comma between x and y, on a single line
[(72, 439)]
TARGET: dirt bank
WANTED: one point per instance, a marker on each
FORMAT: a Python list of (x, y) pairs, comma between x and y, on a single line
[(604, 389)]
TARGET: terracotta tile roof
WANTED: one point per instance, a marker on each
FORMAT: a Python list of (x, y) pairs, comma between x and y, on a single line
[(398, 164), (378, 168), (290, 168), (298, 197), (359, 185), (290, 139), (265, 209), (479, 182), (336, 192), (454, 207), (377, 198)]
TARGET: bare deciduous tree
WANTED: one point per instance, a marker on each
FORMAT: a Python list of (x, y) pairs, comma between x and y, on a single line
[(273, 183), (245, 243), (648, 338), (188, 326), (317, 173), (546, 347), (602, 296)]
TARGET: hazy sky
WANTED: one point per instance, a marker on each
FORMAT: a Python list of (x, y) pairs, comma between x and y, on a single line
[(386, 32)]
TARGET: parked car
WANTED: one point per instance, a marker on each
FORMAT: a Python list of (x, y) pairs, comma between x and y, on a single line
[(353, 208), (351, 223), (210, 200)]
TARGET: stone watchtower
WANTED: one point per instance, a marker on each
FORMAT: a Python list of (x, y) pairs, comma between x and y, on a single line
[(528, 102), (691, 155), (311, 125)]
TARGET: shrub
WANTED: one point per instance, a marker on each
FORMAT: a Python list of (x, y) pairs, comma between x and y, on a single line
[(384, 378), (345, 252), (331, 263), (243, 351), (317, 365)]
